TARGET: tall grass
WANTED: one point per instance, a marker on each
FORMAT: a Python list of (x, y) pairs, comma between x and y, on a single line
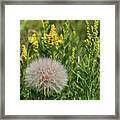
[(75, 44)]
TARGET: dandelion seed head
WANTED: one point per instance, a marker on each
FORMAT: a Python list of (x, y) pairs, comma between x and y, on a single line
[(46, 73)]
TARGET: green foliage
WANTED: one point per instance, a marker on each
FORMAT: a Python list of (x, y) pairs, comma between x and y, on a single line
[(75, 44)]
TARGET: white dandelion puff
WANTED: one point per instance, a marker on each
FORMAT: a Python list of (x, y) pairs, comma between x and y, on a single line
[(46, 73)]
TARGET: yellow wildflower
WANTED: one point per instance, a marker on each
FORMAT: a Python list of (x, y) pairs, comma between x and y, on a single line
[(35, 44), (45, 37), (56, 38), (34, 41), (34, 35), (32, 38), (23, 53), (53, 28), (53, 34), (52, 39)]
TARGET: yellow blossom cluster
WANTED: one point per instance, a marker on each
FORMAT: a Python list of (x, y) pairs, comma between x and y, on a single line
[(92, 33), (23, 53), (52, 39), (92, 41), (34, 41)]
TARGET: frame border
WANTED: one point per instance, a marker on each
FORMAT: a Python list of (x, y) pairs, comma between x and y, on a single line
[(53, 2)]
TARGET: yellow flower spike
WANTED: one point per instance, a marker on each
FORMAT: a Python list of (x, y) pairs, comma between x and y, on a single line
[(52, 38), (48, 39), (33, 39), (88, 29), (73, 55), (23, 53), (53, 28), (55, 41), (44, 38), (35, 44), (52, 41), (52, 35), (56, 38)]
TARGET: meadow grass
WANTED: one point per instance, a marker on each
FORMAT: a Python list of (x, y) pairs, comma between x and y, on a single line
[(75, 44)]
